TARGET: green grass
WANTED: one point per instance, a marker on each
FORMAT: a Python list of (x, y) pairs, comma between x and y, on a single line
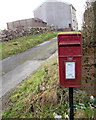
[(29, 101), (23, 96), (19, 45)]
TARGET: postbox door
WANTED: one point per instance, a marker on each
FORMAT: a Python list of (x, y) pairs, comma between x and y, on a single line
[(70, 72), (69, 46)]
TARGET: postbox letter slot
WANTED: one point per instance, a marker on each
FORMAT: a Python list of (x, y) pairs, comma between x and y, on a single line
[(69, 44)]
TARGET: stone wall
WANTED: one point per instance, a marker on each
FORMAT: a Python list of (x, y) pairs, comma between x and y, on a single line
[(7, 35)]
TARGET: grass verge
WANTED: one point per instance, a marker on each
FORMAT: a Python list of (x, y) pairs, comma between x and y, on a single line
[(40, 96), (19, 45)]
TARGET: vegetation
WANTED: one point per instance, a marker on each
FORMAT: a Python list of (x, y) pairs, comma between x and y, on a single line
[(89, 25), (41, 97), (19, 45), (89, 44)]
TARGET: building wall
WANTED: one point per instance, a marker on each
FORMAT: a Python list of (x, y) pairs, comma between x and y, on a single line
[(74, 19), (33, 22), (56, 13), (41, 12), (29, 22)]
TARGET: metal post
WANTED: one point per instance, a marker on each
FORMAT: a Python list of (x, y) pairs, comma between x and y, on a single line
[(71, 103)]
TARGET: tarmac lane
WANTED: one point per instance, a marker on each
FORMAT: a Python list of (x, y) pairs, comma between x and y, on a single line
[(17, 68)]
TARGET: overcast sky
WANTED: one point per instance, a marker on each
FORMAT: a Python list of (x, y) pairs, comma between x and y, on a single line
[(11, 10)]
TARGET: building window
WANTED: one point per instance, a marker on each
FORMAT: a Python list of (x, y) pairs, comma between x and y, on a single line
[(70, 26), (35, 20)]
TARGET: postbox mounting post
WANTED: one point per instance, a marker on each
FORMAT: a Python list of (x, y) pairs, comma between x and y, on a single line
[(71, 104)]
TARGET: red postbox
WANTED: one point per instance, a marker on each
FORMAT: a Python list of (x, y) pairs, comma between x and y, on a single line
[(69, 55)]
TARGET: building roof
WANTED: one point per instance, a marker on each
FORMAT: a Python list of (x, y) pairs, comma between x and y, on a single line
[(58, 1), (37, 19), (67, 3)]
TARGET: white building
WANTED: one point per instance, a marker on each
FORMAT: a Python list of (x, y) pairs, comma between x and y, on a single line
[(60, 14)]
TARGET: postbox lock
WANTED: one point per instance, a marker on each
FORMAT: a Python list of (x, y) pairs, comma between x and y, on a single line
[(70, 58)]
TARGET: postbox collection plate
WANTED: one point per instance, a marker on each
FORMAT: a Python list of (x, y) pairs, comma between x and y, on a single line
[(70, 70)]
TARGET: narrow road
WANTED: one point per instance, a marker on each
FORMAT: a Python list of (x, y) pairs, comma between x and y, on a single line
[(16, 68)]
